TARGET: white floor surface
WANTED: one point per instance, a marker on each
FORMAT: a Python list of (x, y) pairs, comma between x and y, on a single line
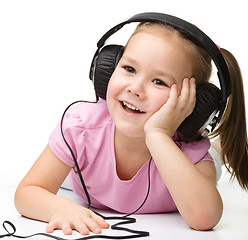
[(233, 225)]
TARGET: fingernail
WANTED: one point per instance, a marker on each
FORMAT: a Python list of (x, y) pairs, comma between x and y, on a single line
[(49, 229)]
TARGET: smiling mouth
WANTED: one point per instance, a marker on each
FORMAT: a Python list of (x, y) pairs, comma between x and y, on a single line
[(130, 108)]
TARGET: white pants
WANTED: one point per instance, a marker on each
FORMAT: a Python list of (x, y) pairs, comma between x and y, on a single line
[(217, 162)]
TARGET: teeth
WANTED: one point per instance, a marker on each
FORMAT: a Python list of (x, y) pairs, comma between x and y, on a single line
[(131, 106)]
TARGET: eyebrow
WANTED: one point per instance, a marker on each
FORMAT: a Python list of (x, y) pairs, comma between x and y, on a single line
[(130, 59), (167, 75), (158, 71)]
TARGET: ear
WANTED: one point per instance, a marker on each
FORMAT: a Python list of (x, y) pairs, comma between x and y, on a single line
[(208, 99), (106, 62)]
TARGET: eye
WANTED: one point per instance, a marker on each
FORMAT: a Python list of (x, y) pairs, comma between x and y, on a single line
[(159, 82), (129, 69)]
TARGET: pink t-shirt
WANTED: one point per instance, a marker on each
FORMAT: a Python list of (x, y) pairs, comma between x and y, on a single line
[(89, 130)]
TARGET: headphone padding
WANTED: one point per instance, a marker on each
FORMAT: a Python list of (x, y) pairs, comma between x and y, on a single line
[(208, 99), (106, 62)]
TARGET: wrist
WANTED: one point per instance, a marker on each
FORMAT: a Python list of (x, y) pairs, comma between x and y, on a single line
[(155, 137), (158, 131)]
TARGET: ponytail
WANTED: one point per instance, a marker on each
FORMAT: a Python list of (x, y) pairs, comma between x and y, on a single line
[(232, 127)]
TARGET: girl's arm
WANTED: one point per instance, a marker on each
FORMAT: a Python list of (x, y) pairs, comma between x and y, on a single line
[(192, 187), (36, 198)]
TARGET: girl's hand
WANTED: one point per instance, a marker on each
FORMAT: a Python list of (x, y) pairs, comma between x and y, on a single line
[(169, 117), (36, 198), (80, 219)]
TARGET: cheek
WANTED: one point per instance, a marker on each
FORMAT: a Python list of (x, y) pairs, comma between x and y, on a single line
[(114, 85), (112, 88), (159, 100)]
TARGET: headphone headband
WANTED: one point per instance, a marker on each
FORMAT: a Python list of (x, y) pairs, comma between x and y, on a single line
[(194, 32)]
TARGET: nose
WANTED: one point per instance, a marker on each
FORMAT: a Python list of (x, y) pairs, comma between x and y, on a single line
[(136, 88)]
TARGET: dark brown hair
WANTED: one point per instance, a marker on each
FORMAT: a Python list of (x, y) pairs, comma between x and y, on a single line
[(232, 127)]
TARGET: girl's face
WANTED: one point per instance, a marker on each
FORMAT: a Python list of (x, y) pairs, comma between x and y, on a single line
[(152, 61)]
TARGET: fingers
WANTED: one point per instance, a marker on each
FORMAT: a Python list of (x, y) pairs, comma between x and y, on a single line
[(92, 225), (50, 227), (173, 98), (188, 95), (65, 227), (188, 88), (99, 220), (83, 225), (192, 94), (185, 97)]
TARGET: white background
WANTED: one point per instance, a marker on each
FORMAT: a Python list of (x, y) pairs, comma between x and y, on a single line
[(46, 48)]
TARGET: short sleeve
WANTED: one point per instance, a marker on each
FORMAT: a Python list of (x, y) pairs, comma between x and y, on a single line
[(73, 132), (196, 151)]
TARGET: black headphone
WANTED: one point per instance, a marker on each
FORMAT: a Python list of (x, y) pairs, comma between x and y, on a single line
[(210, 100)]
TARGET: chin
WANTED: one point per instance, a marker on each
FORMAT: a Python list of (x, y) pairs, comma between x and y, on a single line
[(130, 132)]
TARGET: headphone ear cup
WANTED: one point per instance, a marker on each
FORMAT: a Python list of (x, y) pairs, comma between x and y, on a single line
[(208, 99), (106, 62)]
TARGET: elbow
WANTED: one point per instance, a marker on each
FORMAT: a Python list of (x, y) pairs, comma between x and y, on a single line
[(20, 198), (205, 220), (204, 224), (17, 200)]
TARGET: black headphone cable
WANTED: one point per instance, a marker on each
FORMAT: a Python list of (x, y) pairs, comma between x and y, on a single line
[(126, 219)]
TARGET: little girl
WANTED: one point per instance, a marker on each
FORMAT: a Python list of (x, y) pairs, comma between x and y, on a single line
[(150, 93)]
